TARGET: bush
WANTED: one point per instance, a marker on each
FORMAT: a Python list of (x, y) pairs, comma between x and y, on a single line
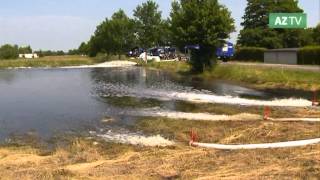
[(250, 54), (309, 55), (103, 57), (9, 52)]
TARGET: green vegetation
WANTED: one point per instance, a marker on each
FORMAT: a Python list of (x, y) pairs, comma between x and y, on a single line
[(259, 77), (8, 51), (250, 54), (25, 50), (267, 77), (120, 33), (179, 67), (48, 61), (316, 35), (205, 23), (150, 28), (309, 55), (256, 33), (42, 53), (114, 36)]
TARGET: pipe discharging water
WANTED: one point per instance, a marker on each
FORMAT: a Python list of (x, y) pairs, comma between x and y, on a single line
[(192, 95), (156, 112)]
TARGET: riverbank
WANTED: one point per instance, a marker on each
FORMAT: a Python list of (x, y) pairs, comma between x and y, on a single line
[(48, 61), (87, 158), (257, 77)]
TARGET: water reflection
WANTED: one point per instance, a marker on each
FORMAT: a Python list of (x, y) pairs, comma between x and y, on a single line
[(75, 100)]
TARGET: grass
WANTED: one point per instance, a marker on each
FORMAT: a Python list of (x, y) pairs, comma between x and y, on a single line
[(48, 61), (267, 77), (88, 159), (229, 132), (258, 77), (275, 112), (91, 158), (174, 66)]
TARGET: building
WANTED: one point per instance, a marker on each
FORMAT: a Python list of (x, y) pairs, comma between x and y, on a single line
[(281, 56), (29, 56)]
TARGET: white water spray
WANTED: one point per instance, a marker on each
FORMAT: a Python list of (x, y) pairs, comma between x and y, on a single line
[(196, 96), (135, 139)]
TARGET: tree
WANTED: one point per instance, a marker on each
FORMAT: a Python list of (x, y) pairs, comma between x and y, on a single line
[(25, 50), (114, 36), (122, 31), (73, 52), (316, 34), (149, 22), (83, 48), (205, 23), (255, 25), (9, 52)]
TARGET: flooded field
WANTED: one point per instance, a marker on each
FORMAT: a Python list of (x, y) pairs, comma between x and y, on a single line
[(49, 102)]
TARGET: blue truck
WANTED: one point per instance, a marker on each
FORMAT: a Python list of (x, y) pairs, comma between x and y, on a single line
[(226, 52)]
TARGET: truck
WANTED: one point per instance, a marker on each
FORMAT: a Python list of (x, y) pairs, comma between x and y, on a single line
[(226, 52)]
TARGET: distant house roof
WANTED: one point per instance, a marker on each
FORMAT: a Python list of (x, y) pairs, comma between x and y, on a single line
[(283, 50)]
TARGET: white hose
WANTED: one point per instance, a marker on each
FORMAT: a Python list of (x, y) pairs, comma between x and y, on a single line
[(295, 119), (258, 146)]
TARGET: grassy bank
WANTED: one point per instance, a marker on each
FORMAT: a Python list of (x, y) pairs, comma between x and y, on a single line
[(267, 77), (48, 61), (93, 159), (259, 77)]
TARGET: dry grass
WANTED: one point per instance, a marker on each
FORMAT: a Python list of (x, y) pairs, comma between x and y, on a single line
[(48, 61), (276, 112), (230, 132), (89, 161)]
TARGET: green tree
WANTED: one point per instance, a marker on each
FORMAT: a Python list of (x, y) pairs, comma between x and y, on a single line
[(114, 36), (122, 31), (205, 23), (25, 50), (316, 34), (83, 48), (255, 25), (9, 52), (148, 21)]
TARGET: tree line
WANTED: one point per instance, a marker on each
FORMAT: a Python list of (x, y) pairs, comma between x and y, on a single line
[(8, 51), (205, 23), (256, 33), (192, 22)]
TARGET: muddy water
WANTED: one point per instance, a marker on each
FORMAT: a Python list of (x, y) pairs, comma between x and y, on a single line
[(54, 101)]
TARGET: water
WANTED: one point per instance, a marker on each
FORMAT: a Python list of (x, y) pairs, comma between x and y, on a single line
[(55, 101)]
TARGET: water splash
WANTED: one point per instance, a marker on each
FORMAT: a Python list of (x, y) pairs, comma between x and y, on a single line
[(134, 139), (157, 112), (192, 95)]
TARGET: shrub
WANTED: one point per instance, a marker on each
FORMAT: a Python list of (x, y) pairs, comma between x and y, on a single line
[(309, 55), (250, 54), (103, 57), (9, 52)]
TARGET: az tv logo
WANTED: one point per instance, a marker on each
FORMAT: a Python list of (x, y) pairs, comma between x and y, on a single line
[(287, 20)]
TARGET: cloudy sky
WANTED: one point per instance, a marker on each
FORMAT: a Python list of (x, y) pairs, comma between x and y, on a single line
[(64, 24)]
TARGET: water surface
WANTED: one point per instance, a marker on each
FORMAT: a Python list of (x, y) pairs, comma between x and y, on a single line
[(54, 101)]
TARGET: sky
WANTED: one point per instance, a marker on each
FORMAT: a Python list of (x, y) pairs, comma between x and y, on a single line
[(64, 24)]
